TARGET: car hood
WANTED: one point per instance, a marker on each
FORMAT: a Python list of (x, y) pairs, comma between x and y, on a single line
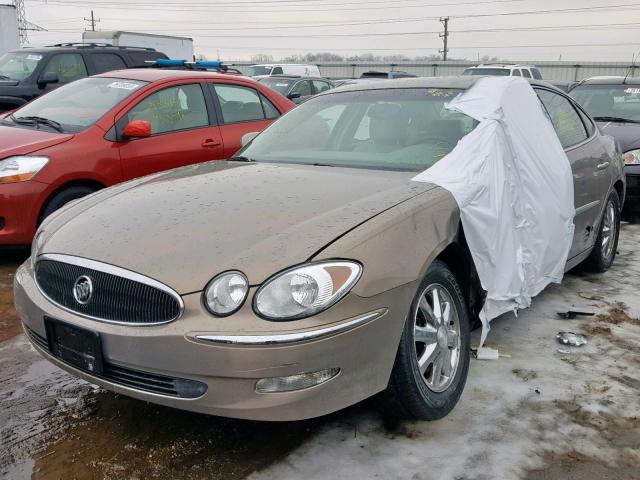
[(23, 141), (627, 134), (184, 226)]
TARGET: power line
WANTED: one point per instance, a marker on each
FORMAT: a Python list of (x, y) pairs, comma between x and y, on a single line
[(163, 7)]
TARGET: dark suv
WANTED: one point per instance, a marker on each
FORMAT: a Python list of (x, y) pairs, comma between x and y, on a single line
[(30, 72)]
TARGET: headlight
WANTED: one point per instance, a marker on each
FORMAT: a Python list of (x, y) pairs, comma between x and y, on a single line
[(20, 169), (632, 157), (305, 290), (226, 293)]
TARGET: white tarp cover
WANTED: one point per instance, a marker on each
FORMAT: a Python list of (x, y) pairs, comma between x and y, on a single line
[(513, 184)]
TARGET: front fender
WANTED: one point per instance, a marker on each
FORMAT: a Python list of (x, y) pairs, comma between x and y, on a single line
[(397, 246)]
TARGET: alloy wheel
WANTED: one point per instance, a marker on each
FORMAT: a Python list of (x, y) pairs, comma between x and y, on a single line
[(608, 230), (437, 337)]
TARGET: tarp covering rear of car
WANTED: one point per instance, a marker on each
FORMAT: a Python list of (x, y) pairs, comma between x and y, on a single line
[(513, 183)]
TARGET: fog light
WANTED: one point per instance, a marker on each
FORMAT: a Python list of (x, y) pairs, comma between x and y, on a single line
[(295, 382)]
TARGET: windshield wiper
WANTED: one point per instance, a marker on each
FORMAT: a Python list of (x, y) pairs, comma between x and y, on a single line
[(35, 121), (615, 119), (4, 77), (240, 158)]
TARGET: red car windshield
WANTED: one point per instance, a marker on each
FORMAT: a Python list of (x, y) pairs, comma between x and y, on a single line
[(78, 105)]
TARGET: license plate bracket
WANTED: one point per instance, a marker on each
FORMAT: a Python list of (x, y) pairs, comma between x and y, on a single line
[(76, 346)]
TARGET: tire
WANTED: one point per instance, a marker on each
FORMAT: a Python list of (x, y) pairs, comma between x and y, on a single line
[(412, 394), (60, 199), (604, 249)]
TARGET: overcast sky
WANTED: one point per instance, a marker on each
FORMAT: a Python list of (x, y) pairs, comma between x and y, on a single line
[(577, 30)]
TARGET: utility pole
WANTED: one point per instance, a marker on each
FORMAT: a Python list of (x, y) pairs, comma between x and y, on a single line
[(444, 36), (92, 21), (22, 21)]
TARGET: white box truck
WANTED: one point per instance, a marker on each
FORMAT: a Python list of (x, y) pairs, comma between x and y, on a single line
[(174, 47), (8, 29)]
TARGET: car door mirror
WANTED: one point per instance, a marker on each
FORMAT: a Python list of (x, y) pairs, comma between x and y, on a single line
[(137, 129), (294, 95), (48, 77), (247, 138)]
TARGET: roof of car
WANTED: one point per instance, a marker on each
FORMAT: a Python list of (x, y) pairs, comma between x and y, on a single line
[(80, 46), (611, 80), (293, 77), (502, 65), (462, 82), (155, 74)]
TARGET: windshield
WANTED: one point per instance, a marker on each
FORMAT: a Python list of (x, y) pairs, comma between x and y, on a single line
[(18, 65), (393, 129), (79, 104), (256, 70), (500, 72), (613, 101), (280, 85)]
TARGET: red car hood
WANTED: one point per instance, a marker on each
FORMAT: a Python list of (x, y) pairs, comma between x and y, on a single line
[(23, 141)]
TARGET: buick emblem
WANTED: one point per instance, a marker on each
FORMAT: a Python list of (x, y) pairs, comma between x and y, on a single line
[(83, 290)]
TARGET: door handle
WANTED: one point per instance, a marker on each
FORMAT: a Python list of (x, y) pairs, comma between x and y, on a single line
[(603, 165), (210, 142)]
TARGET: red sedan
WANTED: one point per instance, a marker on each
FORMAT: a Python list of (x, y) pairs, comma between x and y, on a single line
[(113, 127)]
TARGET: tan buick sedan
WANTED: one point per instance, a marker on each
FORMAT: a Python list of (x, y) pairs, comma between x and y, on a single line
[(304, 275)]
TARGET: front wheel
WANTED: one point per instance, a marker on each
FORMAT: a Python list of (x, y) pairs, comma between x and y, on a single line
[(604, 249), (432, 362)]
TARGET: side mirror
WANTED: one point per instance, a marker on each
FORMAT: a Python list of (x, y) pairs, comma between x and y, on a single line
[(46, 78), (293, 95), (247, 138), (137, 129)]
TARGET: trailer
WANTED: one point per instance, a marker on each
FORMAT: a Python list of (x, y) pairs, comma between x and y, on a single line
[(173, 47), (9, 39)]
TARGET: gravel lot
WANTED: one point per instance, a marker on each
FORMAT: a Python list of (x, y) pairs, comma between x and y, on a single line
[(540, 412)]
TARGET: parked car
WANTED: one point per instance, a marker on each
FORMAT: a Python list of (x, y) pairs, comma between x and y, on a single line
[(267, 70), (503, 69), (386, 75), (564, 85), (105, 129), (30, 72), (296, 88), (304, 275), (614, 103)]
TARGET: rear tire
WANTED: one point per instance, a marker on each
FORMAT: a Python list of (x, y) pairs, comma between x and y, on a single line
[(60, 199), (422, 386), (604, 249)]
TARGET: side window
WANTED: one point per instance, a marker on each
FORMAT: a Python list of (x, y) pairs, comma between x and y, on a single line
[(140, 57), (269, 109), (68, 67), (525, 73), (239, 104), (173, 109), (564, 117), (320, 86), (536, 74), (303, 88), (107, 62), (276, 71), (515, 73)]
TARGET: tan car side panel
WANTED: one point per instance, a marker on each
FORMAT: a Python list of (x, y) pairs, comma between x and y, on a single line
[(397, 246)]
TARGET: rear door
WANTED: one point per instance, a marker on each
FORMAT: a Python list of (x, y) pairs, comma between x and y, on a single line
[(583, 151), (184, 130), (241, 109), (106, 62)]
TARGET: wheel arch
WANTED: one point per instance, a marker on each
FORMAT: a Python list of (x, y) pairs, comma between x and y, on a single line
[(86, 182), (618, 186)]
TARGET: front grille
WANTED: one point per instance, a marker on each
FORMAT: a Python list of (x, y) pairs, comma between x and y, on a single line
[(114, 298), (137, 379)]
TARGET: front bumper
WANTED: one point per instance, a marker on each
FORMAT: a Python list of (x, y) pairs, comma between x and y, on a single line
[(20, 205), (230, 363)]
